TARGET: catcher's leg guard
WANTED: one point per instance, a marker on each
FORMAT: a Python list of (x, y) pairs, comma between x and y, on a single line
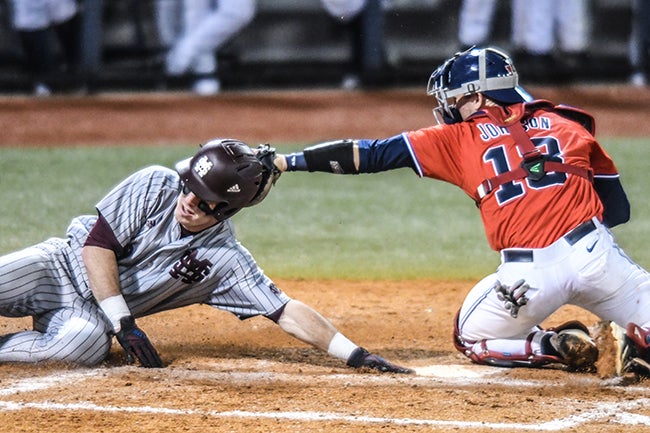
[(569, 344), (502, 352)]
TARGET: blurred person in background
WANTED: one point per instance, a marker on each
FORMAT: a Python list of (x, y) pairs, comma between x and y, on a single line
[(36, 23), (554, 39), (363, 20), (476, 21), (640, 43), (194, 30)]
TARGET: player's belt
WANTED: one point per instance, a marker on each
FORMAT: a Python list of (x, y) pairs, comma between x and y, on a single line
[(526, 256), (580, 232), (519, 256)]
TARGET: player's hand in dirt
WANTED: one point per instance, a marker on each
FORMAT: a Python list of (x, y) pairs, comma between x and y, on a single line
[(361, 358), (136, 344)]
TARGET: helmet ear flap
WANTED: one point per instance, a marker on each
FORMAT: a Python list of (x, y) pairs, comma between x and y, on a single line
[(222, 211)]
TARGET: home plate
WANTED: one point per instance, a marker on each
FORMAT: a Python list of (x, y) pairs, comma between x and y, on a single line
[(464, 371)]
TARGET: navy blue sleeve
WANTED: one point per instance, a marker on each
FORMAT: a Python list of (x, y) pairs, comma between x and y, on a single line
[(614, 199), (383, 155)]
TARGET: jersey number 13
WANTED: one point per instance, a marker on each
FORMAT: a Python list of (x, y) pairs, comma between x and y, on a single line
[(497, 156)]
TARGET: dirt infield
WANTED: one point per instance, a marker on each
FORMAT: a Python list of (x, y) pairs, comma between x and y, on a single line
[(276, 117), (223, 375)]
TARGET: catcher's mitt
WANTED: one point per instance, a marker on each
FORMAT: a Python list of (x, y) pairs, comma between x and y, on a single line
[(270, 173)]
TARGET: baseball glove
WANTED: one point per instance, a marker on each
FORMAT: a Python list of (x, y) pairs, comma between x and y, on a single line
[(270, 173)]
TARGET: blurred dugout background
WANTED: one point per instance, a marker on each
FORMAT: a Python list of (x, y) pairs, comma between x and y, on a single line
[(296, 44)]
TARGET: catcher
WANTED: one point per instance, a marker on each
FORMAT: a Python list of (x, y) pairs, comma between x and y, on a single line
[(162, 239), (548, 195)]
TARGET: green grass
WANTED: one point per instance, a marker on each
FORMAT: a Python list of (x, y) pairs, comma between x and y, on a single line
[(385, 226), (42, 189)]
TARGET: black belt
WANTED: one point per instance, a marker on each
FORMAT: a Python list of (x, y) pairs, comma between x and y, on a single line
[(580, 232), (521, 256), (526, 256)]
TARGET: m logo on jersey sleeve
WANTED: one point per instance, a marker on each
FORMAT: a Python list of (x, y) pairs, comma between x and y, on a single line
[(189, 269)]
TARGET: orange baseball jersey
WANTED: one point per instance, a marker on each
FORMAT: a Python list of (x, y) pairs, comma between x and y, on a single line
[(523, 213)]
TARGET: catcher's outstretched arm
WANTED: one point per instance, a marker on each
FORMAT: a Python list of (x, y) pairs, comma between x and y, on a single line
[(341, 157), (350, 156)]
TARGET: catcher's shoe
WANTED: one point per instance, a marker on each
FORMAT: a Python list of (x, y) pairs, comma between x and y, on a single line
[(632, 350), (361, 358), (576, 347)]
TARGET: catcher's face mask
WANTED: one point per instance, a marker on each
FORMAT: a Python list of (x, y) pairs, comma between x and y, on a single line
[(484, 70)]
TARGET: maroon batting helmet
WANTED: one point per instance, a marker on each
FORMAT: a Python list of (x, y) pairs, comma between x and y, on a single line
[(224, 171)]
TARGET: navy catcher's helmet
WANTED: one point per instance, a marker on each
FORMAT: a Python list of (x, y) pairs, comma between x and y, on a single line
[(225, 172), (485, 70)]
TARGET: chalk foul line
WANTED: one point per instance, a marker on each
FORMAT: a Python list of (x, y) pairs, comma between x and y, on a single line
[(610, 412)]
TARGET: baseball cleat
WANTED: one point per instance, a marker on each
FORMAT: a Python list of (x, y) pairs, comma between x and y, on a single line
[(632, 350), (361, 358), (576, 348)]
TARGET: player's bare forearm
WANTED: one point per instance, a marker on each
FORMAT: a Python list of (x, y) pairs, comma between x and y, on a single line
[(104, 281), (306, 324), (101, 266)]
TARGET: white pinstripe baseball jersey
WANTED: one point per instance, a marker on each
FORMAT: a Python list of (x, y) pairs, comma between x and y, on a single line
[(160, 269)]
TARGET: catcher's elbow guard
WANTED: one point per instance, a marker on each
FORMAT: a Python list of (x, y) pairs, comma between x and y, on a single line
[(332, 157)]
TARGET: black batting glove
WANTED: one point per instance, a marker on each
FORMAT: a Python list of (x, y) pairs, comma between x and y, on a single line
[(136, 344)]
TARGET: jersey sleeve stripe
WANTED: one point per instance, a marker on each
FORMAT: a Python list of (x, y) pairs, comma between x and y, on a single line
[(418, 168)]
